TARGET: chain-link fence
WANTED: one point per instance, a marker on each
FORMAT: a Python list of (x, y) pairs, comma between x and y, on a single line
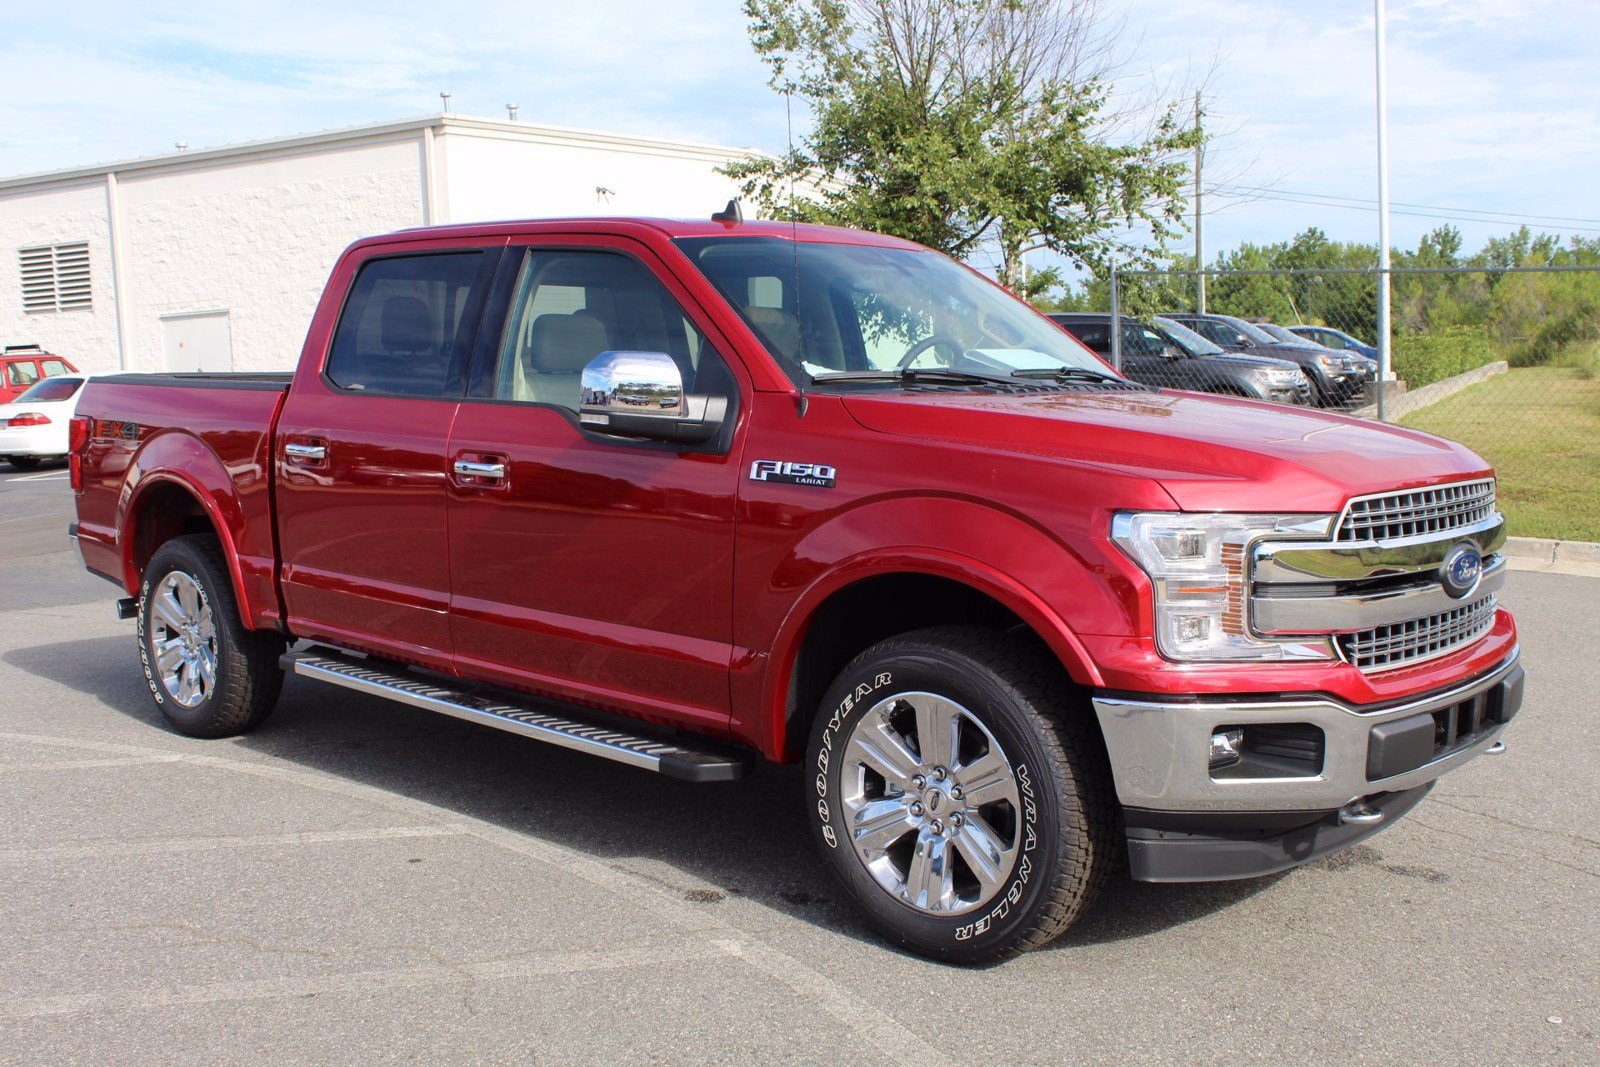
[(1506, 361)]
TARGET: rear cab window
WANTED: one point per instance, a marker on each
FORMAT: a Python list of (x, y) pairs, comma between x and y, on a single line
[(408, 324)]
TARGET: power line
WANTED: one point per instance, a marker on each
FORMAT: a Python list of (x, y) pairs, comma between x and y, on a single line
[(1370, 206), (1270, 192)]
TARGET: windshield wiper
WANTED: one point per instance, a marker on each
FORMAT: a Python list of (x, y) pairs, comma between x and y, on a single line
[(1068, 374), (911, 375)]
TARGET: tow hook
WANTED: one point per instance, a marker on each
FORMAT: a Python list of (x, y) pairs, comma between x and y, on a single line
[(1359, 813)]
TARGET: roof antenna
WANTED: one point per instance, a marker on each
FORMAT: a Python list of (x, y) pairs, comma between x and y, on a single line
[(732, 215)]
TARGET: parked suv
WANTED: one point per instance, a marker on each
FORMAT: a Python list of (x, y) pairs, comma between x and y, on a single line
[(1365, 364), (22, 365), (1155, 356), (1338, 340), (1333, 378)]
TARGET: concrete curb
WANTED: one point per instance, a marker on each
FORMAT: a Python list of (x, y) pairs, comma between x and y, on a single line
[(1428, 395), (1548, 554)]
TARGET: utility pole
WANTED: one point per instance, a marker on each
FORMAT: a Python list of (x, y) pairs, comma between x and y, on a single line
[(1385, 365), (1199, 212)]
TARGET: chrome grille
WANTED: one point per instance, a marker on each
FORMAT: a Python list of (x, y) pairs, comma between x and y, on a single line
[(1437, 509), (1399, 643)]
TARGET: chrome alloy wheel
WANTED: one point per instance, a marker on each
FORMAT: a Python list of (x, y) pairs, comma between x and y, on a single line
[(932, 802), (183, 639)]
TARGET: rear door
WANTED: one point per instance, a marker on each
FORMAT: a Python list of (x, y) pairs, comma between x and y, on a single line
[(591, 567), (361, 453)]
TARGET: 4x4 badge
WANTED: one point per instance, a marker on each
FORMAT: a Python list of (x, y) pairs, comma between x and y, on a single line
[(780, 470)]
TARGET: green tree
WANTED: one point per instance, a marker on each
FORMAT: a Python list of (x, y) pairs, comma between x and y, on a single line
[(965, 125)]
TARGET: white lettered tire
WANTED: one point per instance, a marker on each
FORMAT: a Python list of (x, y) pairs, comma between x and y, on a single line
[(959, 793), (209, 675)]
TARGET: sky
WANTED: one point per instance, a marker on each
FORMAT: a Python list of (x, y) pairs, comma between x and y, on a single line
[(1494, 105)]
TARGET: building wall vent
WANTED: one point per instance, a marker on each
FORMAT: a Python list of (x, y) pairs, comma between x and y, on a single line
[(55, 278)]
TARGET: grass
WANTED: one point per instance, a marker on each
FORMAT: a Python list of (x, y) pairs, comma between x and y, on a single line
[(1540, 427)]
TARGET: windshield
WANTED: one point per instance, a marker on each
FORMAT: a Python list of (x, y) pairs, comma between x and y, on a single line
[(1284, 335), (48, 389), (828, 309), (1185, 338), (1254, 333)]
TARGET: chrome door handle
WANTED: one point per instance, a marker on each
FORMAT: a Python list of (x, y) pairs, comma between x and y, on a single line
[(493, 471), (311, 452)]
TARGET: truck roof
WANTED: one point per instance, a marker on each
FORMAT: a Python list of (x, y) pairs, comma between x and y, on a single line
[(669, 228)]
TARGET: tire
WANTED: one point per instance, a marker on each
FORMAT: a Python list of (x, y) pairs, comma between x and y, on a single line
[(226, 678), (1043, 813), (24, 463)]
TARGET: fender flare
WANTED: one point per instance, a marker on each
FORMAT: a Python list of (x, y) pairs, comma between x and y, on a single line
[(973, 573), (132, 512)]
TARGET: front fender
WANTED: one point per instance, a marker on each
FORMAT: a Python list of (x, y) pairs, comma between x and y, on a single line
[(1057, 589)]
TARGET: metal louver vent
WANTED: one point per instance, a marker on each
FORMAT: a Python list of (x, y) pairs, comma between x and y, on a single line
[(55, 278)]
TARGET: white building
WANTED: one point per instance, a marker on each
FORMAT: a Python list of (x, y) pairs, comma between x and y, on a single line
[(213, 259)]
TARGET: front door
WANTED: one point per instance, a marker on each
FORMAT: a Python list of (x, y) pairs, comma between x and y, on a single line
[(591, 568), (361, 457)]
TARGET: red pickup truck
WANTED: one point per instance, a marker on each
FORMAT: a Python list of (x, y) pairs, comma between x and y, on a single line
[(689, 494)]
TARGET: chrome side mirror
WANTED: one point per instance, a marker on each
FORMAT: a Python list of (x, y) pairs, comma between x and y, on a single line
[(640, 394)]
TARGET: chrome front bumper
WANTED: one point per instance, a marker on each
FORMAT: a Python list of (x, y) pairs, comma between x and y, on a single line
[(1160, 751)]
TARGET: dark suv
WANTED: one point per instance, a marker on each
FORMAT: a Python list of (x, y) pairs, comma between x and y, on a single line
[(1334, 379), (1158, 355)]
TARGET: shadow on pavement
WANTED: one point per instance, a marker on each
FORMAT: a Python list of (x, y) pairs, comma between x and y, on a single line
[(746, 838)]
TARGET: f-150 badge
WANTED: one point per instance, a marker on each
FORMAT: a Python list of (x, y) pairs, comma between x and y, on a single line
[(777, 470)]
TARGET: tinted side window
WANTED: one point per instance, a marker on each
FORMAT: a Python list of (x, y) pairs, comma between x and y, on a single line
[(1095, 338), (568, 307), (405, 327)]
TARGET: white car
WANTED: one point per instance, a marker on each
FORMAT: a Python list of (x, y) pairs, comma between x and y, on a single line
[(36, 425)]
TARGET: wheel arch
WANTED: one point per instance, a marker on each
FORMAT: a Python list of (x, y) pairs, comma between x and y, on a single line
[(168, 504), (870, 599)]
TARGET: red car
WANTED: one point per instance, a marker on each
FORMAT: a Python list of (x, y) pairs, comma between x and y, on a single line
[(22, 365), (689, 494)]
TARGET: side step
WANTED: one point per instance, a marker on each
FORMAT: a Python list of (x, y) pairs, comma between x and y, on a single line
[(395, 683)]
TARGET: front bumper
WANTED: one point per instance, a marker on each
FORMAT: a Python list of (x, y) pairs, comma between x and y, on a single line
[(1213, 848), (1160, 750)]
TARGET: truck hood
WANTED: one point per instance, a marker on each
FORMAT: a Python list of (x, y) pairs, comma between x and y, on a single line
[(1209, 454)]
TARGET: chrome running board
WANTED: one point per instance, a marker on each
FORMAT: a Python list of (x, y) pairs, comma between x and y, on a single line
[(393, 682)]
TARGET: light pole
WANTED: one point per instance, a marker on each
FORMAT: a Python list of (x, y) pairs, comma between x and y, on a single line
[(1385, 366)]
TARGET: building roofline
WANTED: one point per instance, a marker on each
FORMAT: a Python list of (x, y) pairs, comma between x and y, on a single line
[(380, 131)]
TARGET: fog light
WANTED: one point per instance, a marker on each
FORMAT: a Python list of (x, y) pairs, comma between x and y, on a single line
[(1225, 744)]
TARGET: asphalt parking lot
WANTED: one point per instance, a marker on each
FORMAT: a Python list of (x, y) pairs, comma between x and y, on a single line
[(360, 882)]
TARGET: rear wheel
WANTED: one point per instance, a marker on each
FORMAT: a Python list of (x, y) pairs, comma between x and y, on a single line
[(24, 463), (962, 803), (209, 675)]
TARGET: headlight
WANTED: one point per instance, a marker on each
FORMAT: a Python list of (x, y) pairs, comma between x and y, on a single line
[(1330, 362), (1198, 566)]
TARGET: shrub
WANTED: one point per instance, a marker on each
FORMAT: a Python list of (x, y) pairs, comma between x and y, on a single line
[(1422, 359)]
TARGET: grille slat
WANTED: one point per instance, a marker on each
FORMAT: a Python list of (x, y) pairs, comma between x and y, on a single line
[(1419, 512), (1401, 643)]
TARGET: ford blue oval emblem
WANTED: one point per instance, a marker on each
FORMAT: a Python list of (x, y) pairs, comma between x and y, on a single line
[(1463, 566)]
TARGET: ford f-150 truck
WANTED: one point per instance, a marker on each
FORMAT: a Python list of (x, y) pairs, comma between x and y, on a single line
[(686, 495)]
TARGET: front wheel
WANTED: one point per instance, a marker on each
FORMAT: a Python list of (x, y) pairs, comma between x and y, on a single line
[(24, 463), (209, 675), (961, 801)]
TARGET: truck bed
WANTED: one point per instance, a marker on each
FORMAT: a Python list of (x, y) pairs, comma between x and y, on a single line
[(209, 434)]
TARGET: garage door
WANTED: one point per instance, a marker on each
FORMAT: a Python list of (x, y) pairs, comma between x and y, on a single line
[(198, 342)]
